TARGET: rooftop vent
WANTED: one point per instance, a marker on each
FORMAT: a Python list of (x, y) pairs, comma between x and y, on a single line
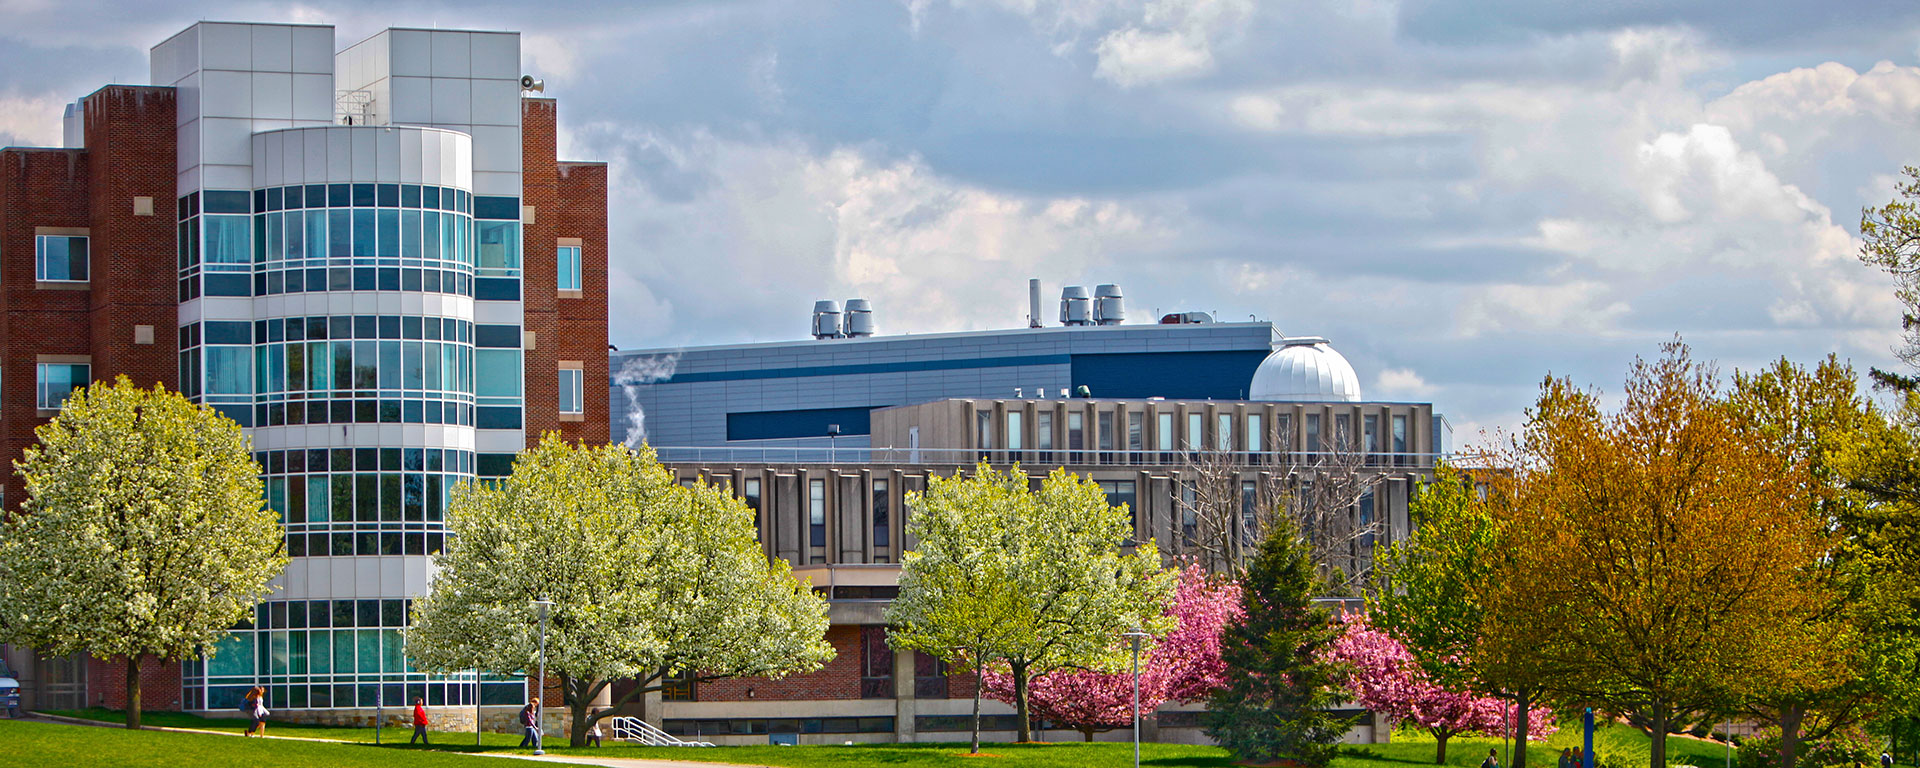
[(1074, 306), (859, 320), (1107, 308), (826, 319)]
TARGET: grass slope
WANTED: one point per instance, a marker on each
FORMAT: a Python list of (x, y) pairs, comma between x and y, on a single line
[(39, 744)]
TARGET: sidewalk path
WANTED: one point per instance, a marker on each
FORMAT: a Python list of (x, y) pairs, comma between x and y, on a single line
[(602, 762)]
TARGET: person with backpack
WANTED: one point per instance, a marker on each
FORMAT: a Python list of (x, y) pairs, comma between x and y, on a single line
[(420, 722), (530, 721), (255, 707), (1493, 759)]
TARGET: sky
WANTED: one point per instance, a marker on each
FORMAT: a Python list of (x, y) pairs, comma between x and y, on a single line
[(1465, 196)]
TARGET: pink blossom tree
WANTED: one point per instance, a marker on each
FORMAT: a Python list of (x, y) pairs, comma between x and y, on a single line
[(1184, 665), (1384, 677)]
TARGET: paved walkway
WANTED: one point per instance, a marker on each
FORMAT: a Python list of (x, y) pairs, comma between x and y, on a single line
[(603, 762)]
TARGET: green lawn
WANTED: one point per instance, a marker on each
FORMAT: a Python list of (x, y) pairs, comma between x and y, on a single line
[(1409, 748), (38, 745)]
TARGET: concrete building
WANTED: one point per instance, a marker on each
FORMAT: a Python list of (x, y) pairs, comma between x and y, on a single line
[(382, 271)]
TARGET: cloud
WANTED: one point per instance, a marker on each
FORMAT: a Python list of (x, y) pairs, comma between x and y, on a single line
[(31, 121), (1401, 382), (1174, 39), (735, 239)]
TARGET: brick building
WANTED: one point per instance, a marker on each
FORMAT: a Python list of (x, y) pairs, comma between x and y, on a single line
[(382, 271)]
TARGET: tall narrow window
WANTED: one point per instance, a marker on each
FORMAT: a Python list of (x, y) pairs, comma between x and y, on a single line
[(750, 493), (1223, 432), (1136, 432), (1076, 431), (1043, 430), (1400, 440), (983, 426), (876, 664), (1249, 512), (1105, 421), (1014, 441), (60, 258), (572, 397), (1343, 432), (1164, 426), (1120, 493), (1313, 433), (1256, 437), (54, 380), (817, 512), (568, 257), (882, 517)]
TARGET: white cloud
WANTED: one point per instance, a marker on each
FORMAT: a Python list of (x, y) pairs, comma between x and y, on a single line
[(1580, 307), (32, 121), (1394, 382), (739, 238), (1173, 39)]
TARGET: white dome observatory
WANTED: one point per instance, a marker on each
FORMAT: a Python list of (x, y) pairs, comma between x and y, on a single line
[(1305, 369)]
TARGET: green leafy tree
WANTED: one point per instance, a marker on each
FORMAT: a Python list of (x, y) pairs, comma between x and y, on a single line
[(1809, 417), (1890, 236), (144, 532), (1433, 594), (1882, 464), (648, 579), (1032, 579), (1280, 684)]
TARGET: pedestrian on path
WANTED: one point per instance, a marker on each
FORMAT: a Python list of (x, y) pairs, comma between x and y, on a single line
[(256, 706), (593, 732), (530, 721), (420, 722), (1493, 759)]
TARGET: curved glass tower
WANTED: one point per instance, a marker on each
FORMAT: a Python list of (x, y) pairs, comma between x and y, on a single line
[(352, 291)]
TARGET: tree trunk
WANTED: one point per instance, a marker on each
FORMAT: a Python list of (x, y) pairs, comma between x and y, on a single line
[(1024, 733), (1523, 714), (1659, 745), (1087, 732), (1440, 747), (979, 673), (1792, 715), (133, 692)]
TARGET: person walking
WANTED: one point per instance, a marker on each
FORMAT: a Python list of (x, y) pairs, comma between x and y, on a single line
[(530, 722), (1493, 759), (247, 707), (259, 698), (420, 722), (1886, 760), (593, 731)]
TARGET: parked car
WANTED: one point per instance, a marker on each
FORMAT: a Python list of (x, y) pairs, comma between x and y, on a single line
[(9, 691)]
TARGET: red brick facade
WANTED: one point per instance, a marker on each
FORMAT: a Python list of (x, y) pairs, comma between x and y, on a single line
[(566, 200), (159, 684)]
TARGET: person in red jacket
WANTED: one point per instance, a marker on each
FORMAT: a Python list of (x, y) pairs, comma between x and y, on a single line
[(420, 722)]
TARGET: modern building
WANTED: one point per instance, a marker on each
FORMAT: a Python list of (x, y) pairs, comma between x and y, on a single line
[(382, 271), (1161, 401)]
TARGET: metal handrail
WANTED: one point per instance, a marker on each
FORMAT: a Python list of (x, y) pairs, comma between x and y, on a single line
[(786, 454), (638, 730)]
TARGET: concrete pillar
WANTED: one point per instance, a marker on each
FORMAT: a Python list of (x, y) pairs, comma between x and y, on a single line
[(652, 710), (905, 705)]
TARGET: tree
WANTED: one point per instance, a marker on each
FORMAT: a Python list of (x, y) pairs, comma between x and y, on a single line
[(1184, 665), (1809, 418), (144, 533), (1664, 550), (1432, 596), (1035, 580), (1890, 236), (1384, 677), (1321, 492), (1279, 684), (648, 578)]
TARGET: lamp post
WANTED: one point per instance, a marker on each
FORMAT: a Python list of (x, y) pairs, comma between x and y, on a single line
[(1134, 638), (540, 688), (833, 442)]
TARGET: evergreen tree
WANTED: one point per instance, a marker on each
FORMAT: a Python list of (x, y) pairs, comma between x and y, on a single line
[(1279, 685)]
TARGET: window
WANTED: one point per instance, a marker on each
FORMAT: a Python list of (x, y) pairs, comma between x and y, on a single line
[(1370, 436), (497, 372), (750, 492), (1400, 440), (1120, 493), (1313, 433), (569, 267), (55, 380), (817, 512), (1043, 430), (1249, 512), (882, 528), (983, 426), (60, 258), (1014, 436), (1166, 431), (1196, 425), (1343, 432), (1136, 431), (571, 398), (1076, 431), (499, 249), (1255, 435), (876, 664), (1105, 421), (1223, 432)]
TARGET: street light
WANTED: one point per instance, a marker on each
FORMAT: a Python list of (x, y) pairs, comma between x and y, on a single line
[(540, 688), (1134, 638)]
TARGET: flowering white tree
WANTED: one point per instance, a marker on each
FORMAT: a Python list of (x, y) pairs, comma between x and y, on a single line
[(648, 579), (145, 532), (1034, 580)]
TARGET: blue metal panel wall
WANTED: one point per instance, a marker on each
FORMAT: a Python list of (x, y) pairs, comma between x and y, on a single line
[(1173, 375)]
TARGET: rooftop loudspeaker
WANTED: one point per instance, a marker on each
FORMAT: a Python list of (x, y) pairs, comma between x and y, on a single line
[(529, 83)]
